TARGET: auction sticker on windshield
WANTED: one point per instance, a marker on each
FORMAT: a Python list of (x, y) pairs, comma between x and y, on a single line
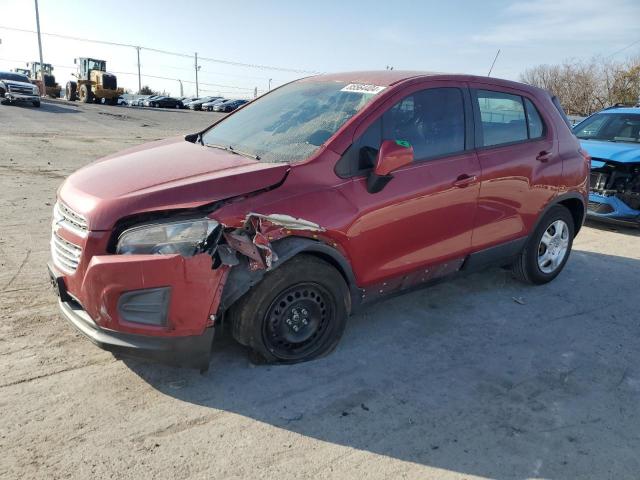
[(362, 88)]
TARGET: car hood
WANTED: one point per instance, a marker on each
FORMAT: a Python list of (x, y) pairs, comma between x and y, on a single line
[(16, 83), (614, 151), (163, 175)]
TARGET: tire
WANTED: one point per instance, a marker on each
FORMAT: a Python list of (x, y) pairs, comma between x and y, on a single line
[(36, 104), (298, 312), (548, 249), (70, 91), (86, 95)]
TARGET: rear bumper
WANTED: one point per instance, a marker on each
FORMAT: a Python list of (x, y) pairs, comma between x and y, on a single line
[(21, 97), (191, 351), (611, 209)]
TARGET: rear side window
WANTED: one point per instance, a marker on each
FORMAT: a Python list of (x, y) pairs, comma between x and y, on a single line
[(502, 117)]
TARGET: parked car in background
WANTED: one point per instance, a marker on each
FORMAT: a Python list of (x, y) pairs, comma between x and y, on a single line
[(612, 138), (209, 105), (17, 88), (148, 100), (313, 200), (165, 102), (229, 105), (186, 100), (197, 104)]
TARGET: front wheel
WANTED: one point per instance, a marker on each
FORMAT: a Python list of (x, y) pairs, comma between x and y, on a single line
[(297, 313), (548, 248), (36, 104)]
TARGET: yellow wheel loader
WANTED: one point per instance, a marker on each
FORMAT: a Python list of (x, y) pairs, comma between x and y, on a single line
[(93, 83), (44, 75)]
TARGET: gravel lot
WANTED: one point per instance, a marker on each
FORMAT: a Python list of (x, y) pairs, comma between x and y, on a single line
[(480, 377)]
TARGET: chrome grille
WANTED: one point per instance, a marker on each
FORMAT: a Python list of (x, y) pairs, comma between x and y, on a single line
[(65, 254), (20, 89), (64, 217)]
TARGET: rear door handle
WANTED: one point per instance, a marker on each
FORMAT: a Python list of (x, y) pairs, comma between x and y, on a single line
[(543, 156), (464, 180)]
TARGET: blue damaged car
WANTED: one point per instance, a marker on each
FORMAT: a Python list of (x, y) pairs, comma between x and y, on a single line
[(612, 138)]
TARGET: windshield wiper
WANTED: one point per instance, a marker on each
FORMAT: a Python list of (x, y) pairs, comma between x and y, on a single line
[(233, 150), (244, 154)]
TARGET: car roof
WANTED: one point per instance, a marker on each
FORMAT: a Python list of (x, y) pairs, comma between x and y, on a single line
[(387, 78), (632, 110)]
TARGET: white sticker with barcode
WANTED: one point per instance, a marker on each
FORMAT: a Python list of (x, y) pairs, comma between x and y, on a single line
[(362, 88)]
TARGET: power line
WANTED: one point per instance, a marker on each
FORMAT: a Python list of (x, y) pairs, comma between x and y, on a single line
[(623, 49), (166, 52), (249, 89)]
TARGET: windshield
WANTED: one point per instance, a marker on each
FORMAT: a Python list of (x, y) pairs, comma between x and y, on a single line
[(15, 77), (611, 127), (289, 124)]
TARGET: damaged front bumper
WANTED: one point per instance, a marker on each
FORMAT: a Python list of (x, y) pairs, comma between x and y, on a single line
[(191, 351), (157, 307), (612, 209)]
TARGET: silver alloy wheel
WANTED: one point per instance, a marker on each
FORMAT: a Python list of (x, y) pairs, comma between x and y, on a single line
[(553, 246)]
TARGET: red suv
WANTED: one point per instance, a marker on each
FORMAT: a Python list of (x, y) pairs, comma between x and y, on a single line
[(302, 206)]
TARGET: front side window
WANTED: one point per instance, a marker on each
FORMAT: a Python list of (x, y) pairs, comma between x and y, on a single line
[(96, 65), (432, 121), (291, 123), (610, 127), (502, 118)]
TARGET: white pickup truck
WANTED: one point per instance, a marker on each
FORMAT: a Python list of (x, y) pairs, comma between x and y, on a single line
[(15, 87)]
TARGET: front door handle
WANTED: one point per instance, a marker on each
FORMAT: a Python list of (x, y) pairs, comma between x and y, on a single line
[(464, 180), (544, 156)]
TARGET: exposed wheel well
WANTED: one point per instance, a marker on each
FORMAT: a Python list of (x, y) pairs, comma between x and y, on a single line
[(576, 207), (331, 261)]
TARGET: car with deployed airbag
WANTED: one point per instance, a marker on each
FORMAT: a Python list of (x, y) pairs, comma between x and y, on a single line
[(309, 203)]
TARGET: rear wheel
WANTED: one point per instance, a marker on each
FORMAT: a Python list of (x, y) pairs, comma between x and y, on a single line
[(548, 249), (86, 95), (70, 91), (297, 313)]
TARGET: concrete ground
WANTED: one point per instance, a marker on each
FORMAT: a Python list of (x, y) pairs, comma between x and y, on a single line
[(481, 377)]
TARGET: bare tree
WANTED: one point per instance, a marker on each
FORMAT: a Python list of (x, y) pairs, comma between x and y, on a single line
[(584, 87)]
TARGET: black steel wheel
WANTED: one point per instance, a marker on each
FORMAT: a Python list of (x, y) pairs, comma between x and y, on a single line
[(296, 313), (297, 320)]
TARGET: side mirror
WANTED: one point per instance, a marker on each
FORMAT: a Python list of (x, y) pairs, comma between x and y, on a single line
[(393, 154)]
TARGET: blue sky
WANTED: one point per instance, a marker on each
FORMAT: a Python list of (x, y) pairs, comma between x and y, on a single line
[(324, 36)]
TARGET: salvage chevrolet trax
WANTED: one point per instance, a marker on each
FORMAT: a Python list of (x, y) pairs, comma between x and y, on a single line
[(309, 202)]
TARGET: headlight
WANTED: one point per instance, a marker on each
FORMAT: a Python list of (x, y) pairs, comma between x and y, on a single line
[(182, 237)]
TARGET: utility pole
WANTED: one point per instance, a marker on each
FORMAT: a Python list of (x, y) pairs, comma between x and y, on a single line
[(181, 91), (197, 68), (139, 76), (270, 84), (39, 44)]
